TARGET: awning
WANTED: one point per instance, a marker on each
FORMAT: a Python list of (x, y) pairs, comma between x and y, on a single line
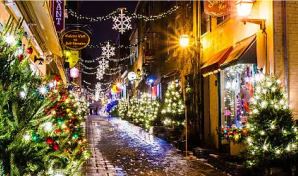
[(215, 61), (243, 53)]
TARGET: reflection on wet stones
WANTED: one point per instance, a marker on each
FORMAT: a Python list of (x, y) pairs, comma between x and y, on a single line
[(127, 150)]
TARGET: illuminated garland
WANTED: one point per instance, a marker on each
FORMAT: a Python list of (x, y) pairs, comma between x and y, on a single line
[(86, 82), (119, 46), (132, 15), (92, 19), (123, 58)]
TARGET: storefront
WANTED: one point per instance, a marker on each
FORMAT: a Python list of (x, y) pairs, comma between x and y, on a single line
[(229, 80)]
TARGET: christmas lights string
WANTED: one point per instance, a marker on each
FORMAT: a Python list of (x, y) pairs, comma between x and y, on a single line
[(92, 19), (99, 58), (88, 83), (131, 15), (113, 73), (123, 58), (119, 46)]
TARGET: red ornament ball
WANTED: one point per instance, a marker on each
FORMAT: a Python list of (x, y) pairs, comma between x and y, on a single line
[(29, 50), (55, 147), (50, 141), (58, 131), (20, 57)]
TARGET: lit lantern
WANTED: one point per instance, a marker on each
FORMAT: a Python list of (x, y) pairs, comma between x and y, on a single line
[(184, 40), (132, 76), (74, 72), (244, 7)]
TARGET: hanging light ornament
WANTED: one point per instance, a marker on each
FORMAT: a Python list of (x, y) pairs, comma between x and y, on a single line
[(74, 72), (122, 22), (108, 51)]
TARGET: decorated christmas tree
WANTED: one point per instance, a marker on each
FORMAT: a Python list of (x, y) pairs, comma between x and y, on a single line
[(122, 109), (173, 107), (272, 133), (147, 111), (28, 144), (66, 137), (132, 109)]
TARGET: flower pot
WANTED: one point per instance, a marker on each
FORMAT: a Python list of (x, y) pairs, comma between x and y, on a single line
[(236, 148)]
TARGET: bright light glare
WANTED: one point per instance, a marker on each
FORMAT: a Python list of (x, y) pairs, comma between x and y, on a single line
[(244, 8), (184, 41), (10, 39)]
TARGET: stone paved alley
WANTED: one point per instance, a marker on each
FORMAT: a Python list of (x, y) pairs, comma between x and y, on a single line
[(119, 148)]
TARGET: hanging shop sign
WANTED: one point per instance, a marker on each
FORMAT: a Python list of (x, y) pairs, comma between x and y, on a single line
[(58, 14), (217, 8), (75, 39)]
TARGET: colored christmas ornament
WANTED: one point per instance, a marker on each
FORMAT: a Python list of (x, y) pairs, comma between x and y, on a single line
[(49, 141), (20, 57), (55, 147), (29, 50)]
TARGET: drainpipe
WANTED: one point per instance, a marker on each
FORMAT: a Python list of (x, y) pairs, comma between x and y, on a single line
[(285, 44)]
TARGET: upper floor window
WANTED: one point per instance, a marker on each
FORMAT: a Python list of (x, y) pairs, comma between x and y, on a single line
[(220, 20), (205, 20)]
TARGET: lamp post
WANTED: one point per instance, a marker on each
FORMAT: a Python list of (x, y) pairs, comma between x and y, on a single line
[(190, 44), (184, 43)]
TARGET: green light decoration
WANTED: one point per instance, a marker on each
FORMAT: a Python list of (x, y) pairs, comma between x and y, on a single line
[(272, 137), (60, 121), (75, 136), (35, 137)]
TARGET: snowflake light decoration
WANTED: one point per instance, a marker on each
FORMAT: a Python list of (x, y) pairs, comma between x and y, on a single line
[(108, 51), (98, 87), (121, 22), (103, 64)]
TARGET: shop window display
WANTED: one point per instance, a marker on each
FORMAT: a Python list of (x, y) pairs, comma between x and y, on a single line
[(237, 90)]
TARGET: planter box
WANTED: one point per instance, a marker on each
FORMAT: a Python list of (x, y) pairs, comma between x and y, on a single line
[(236, 148)]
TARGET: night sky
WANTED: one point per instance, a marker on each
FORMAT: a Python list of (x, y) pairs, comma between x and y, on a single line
[(100, 31)]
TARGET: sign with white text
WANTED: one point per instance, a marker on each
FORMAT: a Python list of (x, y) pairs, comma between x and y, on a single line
[(58, 14), (75, 39)]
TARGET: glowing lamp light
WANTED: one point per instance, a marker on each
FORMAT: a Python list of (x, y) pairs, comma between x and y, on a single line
[(10, 39), (42, 90), (48, 126), (27, 137), (244, 7), (184, 40), (74, 72), (132, 76)]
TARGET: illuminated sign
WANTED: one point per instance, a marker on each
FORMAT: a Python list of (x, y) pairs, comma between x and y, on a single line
[(58, 14), (75, 39)]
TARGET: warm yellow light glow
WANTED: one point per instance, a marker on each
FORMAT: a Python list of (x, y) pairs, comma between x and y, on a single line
[(244, 7), (184, 40)]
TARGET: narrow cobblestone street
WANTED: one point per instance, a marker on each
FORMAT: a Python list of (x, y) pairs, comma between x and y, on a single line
[(118, 150)]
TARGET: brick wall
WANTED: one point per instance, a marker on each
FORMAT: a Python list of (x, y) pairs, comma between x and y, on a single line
[(292, 46)]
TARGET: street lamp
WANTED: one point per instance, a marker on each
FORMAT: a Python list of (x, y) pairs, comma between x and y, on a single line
[(184, 43), (244, 8), (184, 40)]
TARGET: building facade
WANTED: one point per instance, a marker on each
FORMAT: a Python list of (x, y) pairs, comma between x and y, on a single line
[(39, 33), (235, 51)]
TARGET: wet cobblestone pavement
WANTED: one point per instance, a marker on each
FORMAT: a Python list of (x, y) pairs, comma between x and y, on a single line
[(119, 148)]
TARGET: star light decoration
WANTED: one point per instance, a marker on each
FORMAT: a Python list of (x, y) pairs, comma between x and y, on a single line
[(108, 51), (122, 22)]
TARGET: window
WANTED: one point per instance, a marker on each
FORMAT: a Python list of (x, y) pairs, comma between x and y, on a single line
[(205, 20), (222, 19), (237, 89)]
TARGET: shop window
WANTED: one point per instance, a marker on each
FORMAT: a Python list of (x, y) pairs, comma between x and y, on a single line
[(205, 20), (237, 90), (220, 20)]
